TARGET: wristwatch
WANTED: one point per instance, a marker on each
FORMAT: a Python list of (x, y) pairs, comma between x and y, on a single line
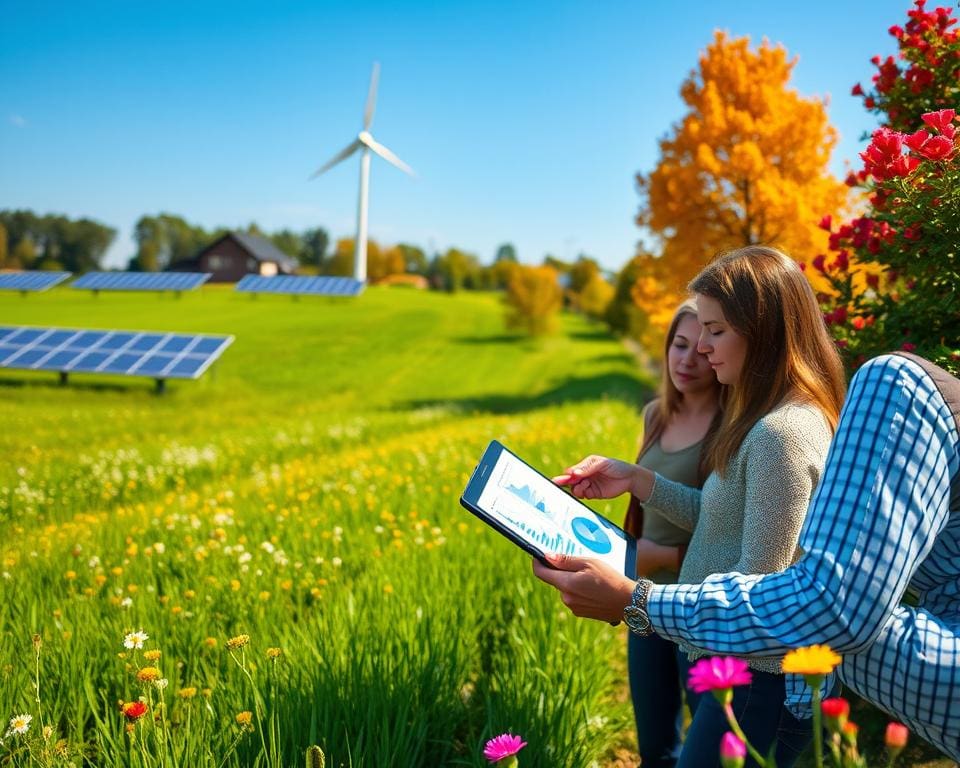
[(635, 615)]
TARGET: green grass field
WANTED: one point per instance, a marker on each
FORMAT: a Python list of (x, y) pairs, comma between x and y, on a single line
[(303, 493)]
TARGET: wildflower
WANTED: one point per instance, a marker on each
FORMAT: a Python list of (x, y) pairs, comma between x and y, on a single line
[(503, 746), (719, 674), (835, 713), (134, 710), (20, 724), (732, 751), (187, 693), (814, 660), (135, 640), (153, 655), (274, 653), (161, 683), (237, 642), (126, 602), (315, 757), (895, 738), (210, 642), (148, 674)]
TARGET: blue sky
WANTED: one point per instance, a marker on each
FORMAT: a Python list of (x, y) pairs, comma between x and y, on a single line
[(526, 121)]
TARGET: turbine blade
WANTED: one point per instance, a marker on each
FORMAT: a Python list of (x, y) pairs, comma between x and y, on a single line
[(371, 97), (387, 155), (343, 154)]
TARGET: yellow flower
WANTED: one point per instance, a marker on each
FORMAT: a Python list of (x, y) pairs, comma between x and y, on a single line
[(244, 718), (274, 653), (187, 693), (238, 642), (147, 674), (153, 655), (812, 660), (210, 642)]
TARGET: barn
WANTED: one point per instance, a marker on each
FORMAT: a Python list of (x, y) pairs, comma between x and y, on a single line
[(236, 254)]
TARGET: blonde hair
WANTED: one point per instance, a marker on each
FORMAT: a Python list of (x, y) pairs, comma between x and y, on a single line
[(670, 398), (768, 301)]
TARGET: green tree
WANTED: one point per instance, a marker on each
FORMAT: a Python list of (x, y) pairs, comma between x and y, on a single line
[(4, 248), (415, 260), (24, 254), (456, 270), (289, 242), (315, 244), (54, 240), (506, 252)]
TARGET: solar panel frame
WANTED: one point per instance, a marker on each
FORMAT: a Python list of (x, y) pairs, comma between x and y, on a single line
[(32, 281), (134, 353), (300, 285), (141, 281)]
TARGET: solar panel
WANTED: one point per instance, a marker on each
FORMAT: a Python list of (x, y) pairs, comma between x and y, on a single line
[(300, 285), (130, 353), (141, 281), (31, 280)]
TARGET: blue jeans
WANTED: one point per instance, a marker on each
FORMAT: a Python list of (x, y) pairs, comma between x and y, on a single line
[(656, 692), (759, 710)]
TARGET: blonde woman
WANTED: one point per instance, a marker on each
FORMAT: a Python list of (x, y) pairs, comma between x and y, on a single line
[(676, 429)]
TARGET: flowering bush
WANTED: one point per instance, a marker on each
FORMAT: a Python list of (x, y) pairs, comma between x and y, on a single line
[(905, 295)]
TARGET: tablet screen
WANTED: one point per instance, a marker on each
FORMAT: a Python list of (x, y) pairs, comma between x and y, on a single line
[(526, 502)]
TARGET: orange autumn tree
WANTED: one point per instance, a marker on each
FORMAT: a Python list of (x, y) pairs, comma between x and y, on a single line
[(747, 164)]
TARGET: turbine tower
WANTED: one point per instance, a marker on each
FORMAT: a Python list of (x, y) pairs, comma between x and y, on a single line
[(365, 143)]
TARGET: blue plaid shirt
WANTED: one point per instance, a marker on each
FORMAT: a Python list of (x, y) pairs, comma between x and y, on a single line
[(884, 520)]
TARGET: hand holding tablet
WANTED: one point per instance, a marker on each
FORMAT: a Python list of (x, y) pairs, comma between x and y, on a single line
[(530, 510)]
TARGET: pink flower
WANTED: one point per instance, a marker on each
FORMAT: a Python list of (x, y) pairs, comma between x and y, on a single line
[(732, 750), (718, 673), (503, 746)]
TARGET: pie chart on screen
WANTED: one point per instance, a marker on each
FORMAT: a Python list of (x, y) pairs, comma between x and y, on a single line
[(591, 535)]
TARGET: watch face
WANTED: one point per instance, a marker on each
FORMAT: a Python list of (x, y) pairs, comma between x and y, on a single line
[(636, 619)]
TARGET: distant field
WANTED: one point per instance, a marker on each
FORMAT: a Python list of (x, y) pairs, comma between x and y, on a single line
[(304, 493)]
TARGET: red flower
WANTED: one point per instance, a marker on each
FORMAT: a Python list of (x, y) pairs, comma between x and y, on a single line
[(942, 121), (818, 262), (840, 315), (869, 103), (896, 31), (826, 222), (908, 347), (937, 148), (896, 736), (858, 324), (911, 233), (873, 281), (134, 710), (835, 713), (916, 140), (856, 90)]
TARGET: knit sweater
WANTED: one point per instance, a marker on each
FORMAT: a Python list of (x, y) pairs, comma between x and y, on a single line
[(748, 520)]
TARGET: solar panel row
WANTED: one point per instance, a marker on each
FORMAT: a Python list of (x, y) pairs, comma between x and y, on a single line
[(141, 281), (301, 286), (31, 280), (132, 353)]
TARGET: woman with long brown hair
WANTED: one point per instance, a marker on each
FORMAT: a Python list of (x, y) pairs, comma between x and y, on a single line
[(677, 426), (765, 338)]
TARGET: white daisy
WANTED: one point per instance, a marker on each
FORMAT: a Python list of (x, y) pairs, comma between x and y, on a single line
[(20, 724), (135, 640)]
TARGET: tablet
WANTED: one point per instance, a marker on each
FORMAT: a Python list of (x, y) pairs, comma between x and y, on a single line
[(540, 517)]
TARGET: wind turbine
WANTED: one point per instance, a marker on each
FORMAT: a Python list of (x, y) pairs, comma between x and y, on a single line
[(365, 143)]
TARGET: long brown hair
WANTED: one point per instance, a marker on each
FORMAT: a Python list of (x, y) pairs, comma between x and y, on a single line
[(669, 398), (767, 300)]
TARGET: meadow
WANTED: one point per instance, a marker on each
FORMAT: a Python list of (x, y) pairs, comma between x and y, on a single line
[(286, 533)]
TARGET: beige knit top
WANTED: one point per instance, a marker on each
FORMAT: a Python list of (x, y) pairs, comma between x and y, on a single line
[(748, 521)]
